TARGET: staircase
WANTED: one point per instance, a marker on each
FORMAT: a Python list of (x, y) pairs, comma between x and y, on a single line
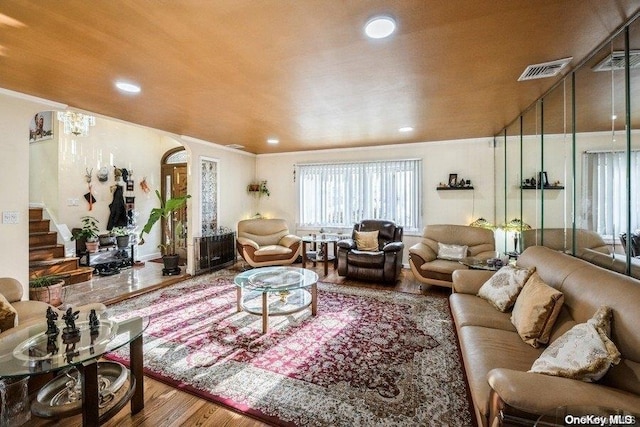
[(47, 256)]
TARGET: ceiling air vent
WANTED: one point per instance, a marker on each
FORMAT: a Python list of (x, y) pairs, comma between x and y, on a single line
[(615, 61), (546, 69), (236, 146)]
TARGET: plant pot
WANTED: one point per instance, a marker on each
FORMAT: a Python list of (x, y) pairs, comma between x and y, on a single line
[(49, 294), (106, 240), (92, 246), (171, 262), (122, 241)]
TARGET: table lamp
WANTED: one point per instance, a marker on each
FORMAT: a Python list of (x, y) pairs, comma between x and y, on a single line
[(516, 226)]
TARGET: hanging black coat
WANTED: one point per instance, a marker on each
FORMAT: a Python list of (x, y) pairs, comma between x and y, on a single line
[(118, 214)]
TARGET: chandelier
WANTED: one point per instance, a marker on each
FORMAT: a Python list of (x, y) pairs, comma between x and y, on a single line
[(76, 123)]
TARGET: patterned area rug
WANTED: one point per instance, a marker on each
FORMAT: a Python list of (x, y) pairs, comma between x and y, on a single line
[(369, 358)]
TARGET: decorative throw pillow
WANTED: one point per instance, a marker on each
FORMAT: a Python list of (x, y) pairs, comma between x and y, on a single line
[(7, 314), (452, 252), (584, 352), (366, 240), (536, 310), (502, 289)]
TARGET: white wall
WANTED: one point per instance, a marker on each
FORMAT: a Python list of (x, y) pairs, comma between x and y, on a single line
[(470, 159), (16, 110)]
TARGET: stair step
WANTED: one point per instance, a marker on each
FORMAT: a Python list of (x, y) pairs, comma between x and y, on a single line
[(79, 275), (49, 238), (41, 253), (38, 225), (52, 266), (35, 214)]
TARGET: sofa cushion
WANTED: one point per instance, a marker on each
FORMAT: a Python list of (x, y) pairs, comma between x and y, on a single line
[(584, 353), (442, 266), (536, 311), (366, 240), (503, 288), (484, 349), (365, 258), (272, 250), (8, 314), (452, 252), (469, 310)]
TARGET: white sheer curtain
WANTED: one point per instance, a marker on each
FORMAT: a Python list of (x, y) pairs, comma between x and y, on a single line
[(341, 194), (605, 190)]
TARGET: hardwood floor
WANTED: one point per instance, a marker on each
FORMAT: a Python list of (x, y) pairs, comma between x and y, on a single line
[(164, 405)]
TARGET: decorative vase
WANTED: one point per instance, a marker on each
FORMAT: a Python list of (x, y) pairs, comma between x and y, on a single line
[(92, 246)]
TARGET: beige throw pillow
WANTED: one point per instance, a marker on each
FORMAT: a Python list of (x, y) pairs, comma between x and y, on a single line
[(7, 314), (584, 352), (536, 310), (366, 240), (452, 252), (502, 289)]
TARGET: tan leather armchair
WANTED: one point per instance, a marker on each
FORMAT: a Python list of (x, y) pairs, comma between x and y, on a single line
[(423, 257), (264, 242), (29, 312)]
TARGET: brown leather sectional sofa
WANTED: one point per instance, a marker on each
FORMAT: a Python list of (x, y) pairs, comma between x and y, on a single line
[(496, 359)]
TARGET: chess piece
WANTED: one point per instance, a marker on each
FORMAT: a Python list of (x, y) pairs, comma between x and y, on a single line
[(94, 322)]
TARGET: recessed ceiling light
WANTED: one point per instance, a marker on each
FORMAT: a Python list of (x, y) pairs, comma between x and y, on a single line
[(406, 129), (128, 87), (380, 27), (272, 141)]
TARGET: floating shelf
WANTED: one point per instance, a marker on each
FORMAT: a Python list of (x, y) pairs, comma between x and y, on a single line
[(547, 187), (453, 188)]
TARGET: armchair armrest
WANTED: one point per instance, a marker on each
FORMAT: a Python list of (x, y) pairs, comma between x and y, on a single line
[(289, 240), (248, 242), (423, 251), (469, 281), (347, 244), (393, 247)]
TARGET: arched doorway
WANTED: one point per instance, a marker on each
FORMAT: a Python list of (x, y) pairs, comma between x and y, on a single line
[(173, 171)]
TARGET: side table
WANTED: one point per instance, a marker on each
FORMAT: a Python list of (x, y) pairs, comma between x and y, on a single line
[(323, 254)]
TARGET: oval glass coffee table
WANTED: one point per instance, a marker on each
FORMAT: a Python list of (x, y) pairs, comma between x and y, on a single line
[(276, 291)]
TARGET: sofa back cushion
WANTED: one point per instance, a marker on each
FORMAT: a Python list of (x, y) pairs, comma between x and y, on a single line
[(561, 239), (586, 287), (388, 231), (263, 231), (477, 239)]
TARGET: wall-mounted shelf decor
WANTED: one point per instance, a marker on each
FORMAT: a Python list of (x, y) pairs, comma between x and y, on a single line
[(453, 188), (546, 187), (259, 189)]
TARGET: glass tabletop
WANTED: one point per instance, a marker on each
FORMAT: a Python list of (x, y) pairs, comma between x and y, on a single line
[(275, 279), (31, 351), (321, 239)]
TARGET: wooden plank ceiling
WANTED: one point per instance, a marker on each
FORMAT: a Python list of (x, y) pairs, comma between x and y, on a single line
[(241, 71)]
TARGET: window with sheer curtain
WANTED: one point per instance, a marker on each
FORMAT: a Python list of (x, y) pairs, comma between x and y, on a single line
[(341, 194), (605, 192)]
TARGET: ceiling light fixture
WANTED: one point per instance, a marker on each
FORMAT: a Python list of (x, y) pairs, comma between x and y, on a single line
[(380, 27), (76, 123), (272, 140), (406, 129), (128, 87)]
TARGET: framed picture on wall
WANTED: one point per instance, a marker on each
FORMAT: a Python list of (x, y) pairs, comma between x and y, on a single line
[(41, 126), (453, 180)]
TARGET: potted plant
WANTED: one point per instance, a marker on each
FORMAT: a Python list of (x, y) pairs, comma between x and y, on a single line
[(165, 214), (47, 289), (122, 236), (88, 234)]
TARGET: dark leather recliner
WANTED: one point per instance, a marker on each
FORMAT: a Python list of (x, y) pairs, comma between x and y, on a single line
[(383, 265)]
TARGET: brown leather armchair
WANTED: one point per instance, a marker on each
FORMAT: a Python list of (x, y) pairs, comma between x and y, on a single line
[(383, 264)]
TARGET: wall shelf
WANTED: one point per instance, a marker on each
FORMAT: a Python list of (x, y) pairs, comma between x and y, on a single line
[(546, 187), (453, 188)]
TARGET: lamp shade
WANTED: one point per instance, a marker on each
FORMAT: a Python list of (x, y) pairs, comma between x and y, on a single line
[(515, 224), (483, 223)]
